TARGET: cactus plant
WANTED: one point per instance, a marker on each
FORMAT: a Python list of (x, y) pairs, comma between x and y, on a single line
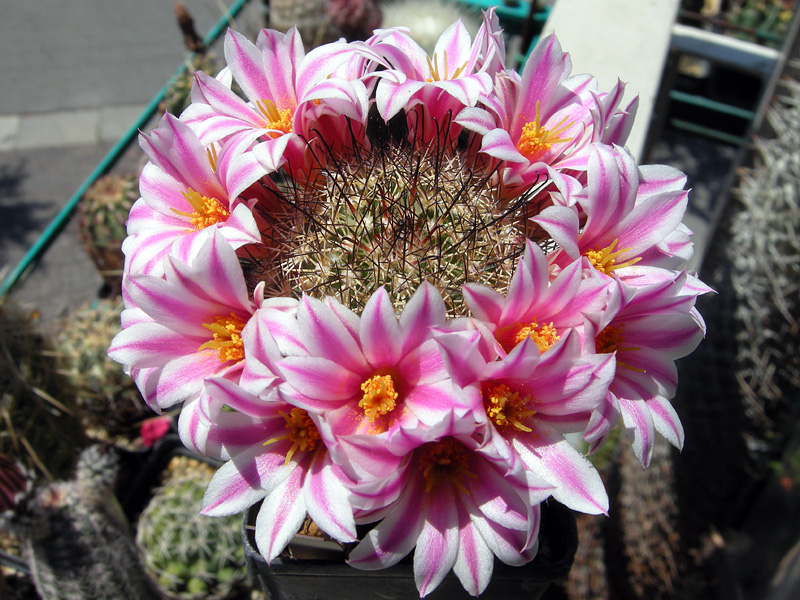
[(102, 214), (179, 92), (76, 539), (190, 556), (108, 397), (39, 418)]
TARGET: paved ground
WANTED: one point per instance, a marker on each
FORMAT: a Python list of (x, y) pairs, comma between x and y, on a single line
[(76, 74)]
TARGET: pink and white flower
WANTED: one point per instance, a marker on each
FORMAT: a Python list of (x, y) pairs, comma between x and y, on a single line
[(613, 227), (544, 120), (187, 188), (274, 452), (186, 326), (460, 505), (376, 381), (646, 328), (433, 90), (287, 91)]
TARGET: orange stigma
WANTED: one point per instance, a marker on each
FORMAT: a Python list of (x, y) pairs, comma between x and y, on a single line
[(275, 118), (379, 396), (507, 407), (605, 259), (544, 335)]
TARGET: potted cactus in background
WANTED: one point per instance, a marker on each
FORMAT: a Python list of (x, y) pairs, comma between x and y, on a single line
[(111, 405), (190, 556), (76, 539), (102, 214)]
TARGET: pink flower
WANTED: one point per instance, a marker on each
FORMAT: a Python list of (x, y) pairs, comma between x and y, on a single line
[(275, 452), (544, 121), (646, 328), (535, 307), (435, 89), (376, 381), (184, 327), (286, 91), (531, 399), (461, 503), (154, 429), (613, 227), (186, 188)]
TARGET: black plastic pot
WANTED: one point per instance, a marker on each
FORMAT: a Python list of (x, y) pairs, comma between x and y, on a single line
[(332, 579)]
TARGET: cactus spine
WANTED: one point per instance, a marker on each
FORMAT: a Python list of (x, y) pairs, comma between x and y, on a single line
[(192, 557), (102, 214), (76, 539)]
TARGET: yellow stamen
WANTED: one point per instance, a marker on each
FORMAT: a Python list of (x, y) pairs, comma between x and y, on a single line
[(280, 120), (211, 155), (302, 432), (434, 69), (379, 396), (605, 259), (207, 211), (227, 338), (446, 459), (611, 339), (535, 140), (507, 407), (544, 335)]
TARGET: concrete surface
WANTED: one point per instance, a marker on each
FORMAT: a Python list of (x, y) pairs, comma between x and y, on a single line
[(625, 39), (76, 74)]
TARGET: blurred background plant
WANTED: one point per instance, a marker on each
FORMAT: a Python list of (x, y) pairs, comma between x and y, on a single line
[(102, 215), (191, 556), (111, 406)]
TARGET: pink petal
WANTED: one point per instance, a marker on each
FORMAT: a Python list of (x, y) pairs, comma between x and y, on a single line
[(666, 421), (474, 561), (320, 378), (425, 309), (235, 486), (324, 335), (395, 536), (281, 516), (380, 331), (639, 423), (551, 457), (437, 544), (562, 224), (327, 501)]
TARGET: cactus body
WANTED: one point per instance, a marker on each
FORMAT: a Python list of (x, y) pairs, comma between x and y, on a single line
[(77, 541), (102, 214), (191, 556), (107, 395)]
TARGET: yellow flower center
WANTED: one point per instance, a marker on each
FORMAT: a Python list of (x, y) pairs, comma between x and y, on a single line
[(544, 335), (302, 432), (227, 337), (207, 211), (507, 407), (535, 140), (605, 259), (611, 339), (275, 118), (446, 459), (433, 65), (379, 396)]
